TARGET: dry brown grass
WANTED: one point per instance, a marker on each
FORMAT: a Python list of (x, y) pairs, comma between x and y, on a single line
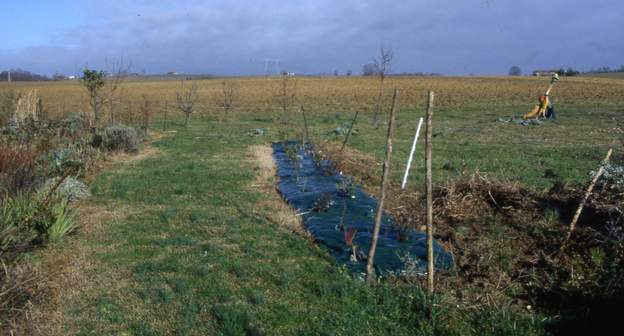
[(280, 214), (64, 273), (323, 94), (17, 166)]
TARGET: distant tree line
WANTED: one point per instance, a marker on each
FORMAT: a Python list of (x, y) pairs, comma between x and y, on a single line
[(22, 75), (516, 71), (606, 69), (568, 72)]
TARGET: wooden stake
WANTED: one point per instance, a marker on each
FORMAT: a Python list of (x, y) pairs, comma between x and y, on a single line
[(350, 130), (411, 156), (579, 210), (429, 194), (370, 271), (165, 113)]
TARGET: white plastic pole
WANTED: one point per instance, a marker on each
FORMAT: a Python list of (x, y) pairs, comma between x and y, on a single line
[(411, 156)]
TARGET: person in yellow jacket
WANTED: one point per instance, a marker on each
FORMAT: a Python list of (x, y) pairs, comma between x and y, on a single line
[(544, 108)]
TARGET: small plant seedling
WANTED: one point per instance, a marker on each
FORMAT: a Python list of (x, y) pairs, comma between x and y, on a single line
[(349, 235), (323, 203), (346, 187)]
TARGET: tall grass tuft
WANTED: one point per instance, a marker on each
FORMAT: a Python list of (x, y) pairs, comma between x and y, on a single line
[(18, 167), (18, 215), (63, 222)]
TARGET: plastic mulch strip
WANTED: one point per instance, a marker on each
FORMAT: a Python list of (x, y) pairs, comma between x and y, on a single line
[(339, 215)]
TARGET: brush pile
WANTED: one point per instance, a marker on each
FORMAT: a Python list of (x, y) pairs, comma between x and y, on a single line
[(506, 240)]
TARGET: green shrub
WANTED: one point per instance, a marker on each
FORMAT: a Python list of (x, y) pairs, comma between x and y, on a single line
[(18, 215), (74, 124), (62, 223), (70, 189), (26, 220), (120, 138)]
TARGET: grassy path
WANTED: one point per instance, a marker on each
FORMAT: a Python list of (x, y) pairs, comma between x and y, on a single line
[(184, 248), (189, 256)]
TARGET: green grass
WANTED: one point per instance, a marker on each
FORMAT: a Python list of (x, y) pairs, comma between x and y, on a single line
[(195, 256), (473, 139)]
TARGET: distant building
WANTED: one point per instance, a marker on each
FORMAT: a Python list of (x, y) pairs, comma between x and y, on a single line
[(546, 73)]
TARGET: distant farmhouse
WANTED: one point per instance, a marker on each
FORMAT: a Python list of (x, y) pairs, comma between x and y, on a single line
[(545, 72)]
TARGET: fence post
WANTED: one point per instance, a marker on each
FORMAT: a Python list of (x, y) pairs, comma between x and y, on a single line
[(370, 272), (430, 269)]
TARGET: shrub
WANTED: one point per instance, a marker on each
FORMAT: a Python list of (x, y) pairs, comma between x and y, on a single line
[(120, 137), (62, 161), (18, 215), (613, 176), (70, 189), (74, 124), (18, 167)]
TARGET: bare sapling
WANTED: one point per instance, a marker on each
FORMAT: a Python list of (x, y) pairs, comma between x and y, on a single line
[(286, 96), (112, 88), (588, 193), (382, 66), (145, 113), (346, 139), (428, 157), (186, 102), (229, 94), (370, 271)]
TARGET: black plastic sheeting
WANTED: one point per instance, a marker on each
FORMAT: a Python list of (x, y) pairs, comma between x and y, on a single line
[(311, 188)]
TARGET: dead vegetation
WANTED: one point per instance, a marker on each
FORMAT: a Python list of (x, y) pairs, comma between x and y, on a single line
[(506, 241), (281, 214)]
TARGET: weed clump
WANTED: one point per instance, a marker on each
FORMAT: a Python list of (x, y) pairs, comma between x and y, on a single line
[(120, 138), (70, 189)]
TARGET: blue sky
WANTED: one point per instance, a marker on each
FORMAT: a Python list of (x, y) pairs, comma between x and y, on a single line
[(456, 37), (26, 23)]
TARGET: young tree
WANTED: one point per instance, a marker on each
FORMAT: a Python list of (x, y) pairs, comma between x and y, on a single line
[(103, 89), (146, 110), (118, 73), (229, 94), (383, 65), (94, 81), (186, 101), (285, 95)]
